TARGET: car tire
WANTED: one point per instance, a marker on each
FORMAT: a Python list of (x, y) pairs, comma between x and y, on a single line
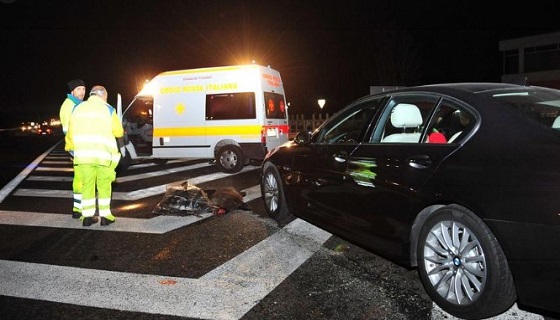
[(455, 247), (273, 195), (230, 159)]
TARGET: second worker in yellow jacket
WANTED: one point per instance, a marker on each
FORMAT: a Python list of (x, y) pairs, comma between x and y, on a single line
[(75, 97), (92, 132)]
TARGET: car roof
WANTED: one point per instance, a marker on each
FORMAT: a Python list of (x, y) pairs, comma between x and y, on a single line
[(461, 89), (470, 92), (470, 87)]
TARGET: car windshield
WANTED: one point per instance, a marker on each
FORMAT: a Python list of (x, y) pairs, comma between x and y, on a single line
[(537, 103)]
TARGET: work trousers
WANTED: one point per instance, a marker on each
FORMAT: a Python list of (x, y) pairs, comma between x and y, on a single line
[(95, 177), (77, 191)]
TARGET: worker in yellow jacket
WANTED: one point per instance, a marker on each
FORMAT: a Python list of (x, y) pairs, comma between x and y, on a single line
[(92, 132), (75, 97)]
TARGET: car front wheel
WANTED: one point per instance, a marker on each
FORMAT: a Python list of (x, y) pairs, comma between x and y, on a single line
[(273, 195), (462, 265)]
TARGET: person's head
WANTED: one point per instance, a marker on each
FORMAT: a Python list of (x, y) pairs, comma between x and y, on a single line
[(464, 118), (77, 88), (99, 91)]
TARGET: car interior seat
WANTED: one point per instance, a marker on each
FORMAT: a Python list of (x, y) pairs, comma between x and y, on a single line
[(556, 123), (405, 116), (465, 127), (455, 136)]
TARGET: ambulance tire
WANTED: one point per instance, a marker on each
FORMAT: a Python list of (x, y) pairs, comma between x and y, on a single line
[(230, 159)]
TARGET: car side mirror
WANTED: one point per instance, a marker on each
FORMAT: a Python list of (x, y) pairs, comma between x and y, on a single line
[(303, 137)]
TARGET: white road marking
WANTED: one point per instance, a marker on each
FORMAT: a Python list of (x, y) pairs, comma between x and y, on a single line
[(69, 169), (512, 314), (119, 179), (159, 224), (227, 292), (67, 162), (7, 189), (61, 156), (50, 178), (150, 164), (132, 195), (252, 193), (156, 225), (160, 172)]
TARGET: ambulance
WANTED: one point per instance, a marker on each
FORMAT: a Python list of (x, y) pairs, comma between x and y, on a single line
[(230, 115)]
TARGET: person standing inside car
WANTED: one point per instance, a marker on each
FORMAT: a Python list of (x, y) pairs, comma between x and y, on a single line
[(92, 132), (75, 97)]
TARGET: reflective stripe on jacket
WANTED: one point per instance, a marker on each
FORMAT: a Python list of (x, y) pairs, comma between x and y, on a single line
[(92, 130)]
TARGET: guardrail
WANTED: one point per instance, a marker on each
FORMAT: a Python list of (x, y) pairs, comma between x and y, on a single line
[(299, 122)]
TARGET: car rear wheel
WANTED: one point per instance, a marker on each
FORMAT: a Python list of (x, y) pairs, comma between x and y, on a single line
[(462, 265), (273, 195)]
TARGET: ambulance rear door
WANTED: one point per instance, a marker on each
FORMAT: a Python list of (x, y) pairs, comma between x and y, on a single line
[(275, 127)]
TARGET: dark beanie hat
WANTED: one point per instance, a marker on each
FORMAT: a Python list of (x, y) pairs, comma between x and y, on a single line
[(72, 84)]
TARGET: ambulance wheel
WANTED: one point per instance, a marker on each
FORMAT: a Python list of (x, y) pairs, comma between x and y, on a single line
[(230, 159)]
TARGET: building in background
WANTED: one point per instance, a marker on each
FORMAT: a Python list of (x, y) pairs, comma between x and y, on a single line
[(535, 58)]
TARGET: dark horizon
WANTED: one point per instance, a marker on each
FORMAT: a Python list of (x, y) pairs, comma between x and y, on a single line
[(334, 51)]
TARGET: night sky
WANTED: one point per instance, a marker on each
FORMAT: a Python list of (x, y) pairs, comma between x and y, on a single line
[(333, 50)]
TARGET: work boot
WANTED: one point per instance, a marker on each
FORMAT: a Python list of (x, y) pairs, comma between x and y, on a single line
[(76, 215), (105, 221), (88, 221)]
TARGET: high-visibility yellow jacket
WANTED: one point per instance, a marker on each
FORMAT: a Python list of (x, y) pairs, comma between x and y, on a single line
[(66, 110), (92, 132)]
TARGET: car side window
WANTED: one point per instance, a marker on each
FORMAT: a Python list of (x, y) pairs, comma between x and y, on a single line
[(450, 124), (424, 119), (405, 119), (349, 127)]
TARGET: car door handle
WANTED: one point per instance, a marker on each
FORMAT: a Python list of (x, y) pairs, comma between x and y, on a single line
[(420, 161), (341, 156)]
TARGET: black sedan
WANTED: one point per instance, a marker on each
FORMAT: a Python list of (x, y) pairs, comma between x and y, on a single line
[(461, 181)]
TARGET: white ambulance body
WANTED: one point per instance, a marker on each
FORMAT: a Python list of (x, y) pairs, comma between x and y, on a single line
[(233, 114)]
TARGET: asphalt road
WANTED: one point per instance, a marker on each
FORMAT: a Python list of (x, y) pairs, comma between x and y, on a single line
[(18, 150), (148, 265)]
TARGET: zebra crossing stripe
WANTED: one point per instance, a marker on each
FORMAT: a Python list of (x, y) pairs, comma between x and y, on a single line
[(227, 292), (129, 196), (158, 225)]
